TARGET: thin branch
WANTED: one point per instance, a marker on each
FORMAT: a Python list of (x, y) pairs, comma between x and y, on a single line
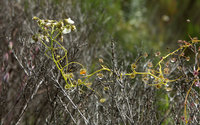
[(26, 105)]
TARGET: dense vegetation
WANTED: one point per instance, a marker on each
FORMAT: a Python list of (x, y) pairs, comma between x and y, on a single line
[(99, 62)]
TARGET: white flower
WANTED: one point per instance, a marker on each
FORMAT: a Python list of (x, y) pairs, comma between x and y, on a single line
[(48, 24), (69, 21), (66, 30)]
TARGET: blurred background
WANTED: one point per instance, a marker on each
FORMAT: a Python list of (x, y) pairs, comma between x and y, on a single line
[(155, 24)]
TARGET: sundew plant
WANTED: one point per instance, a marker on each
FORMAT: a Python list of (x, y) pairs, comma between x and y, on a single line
[(51, 37), (159, 75)]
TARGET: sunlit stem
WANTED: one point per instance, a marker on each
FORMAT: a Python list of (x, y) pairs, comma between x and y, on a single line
[(185, 103)]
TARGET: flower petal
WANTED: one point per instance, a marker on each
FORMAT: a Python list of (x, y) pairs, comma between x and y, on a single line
[(66, 30)]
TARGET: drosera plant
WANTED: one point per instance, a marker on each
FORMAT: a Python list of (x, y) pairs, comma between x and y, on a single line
[(51, 36), (158, 75), (154, 73)]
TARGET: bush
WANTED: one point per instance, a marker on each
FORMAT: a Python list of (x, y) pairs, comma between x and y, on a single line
[(51, 78)]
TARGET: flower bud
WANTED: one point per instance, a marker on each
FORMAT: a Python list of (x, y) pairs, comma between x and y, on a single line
[(73, 28), (61, 38), (35, 38), (59, 24), (35, 18)]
